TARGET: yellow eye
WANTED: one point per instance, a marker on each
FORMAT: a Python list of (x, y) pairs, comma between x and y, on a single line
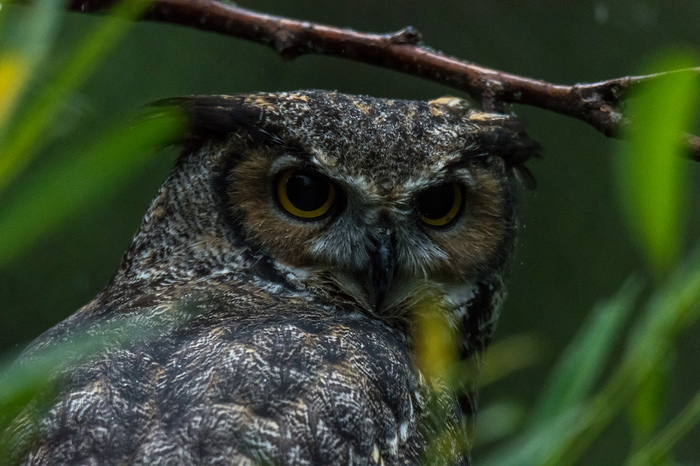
[(305, 194), (441, 205)]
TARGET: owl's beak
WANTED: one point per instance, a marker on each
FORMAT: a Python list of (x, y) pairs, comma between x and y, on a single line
[(383, 264)]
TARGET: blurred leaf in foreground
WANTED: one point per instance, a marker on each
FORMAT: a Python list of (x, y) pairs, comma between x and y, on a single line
[(564, 436), (69, 184), (503, 357), (435, 340), (25, 43), (571, 382), (652, 172), (581, 365), (23, 136), (653, 177), (656, 451), (13, 75)]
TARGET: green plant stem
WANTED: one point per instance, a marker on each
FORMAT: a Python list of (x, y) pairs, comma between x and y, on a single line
[(654, 451)]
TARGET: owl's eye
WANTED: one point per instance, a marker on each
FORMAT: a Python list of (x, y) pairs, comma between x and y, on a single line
[(305, 194), (439, 206)]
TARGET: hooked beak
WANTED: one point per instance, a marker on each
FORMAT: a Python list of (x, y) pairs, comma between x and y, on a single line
[(383, 264)]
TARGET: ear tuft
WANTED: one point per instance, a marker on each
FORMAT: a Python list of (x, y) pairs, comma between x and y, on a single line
[(506, 138), (220, 116)]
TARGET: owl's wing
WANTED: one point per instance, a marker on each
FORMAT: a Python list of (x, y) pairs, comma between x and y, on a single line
[(285, 385)]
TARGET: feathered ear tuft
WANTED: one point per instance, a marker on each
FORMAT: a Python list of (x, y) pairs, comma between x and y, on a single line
[(506, 138), (219, 117)]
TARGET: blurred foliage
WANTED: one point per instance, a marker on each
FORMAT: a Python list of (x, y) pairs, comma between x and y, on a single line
[(68, 184), (23, 137), (435, 340), (619, 368), (33, 206), (651, 172), (571, 414)]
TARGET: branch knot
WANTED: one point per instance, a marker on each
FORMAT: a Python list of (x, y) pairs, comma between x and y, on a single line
[(406, 36)]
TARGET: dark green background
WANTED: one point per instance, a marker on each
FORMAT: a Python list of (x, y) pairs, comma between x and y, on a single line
[(573, 247)]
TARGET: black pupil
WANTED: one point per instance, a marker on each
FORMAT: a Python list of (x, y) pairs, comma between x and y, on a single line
[(307, 191), (435, 203)]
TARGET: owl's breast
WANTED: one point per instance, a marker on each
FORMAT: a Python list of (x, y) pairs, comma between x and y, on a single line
[(272, 389)]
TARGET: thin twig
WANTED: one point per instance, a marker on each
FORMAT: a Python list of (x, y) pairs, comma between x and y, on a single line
[(598, 104)]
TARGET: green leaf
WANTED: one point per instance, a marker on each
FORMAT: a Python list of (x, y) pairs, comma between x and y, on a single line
[(580, 367), (563, 436), (648, 401), (671, 309), (655, 451), (25, 43), (498, 420), (71, 183), (503, 357), (652, 173), (537, 444), (559, 411), (25, 135)]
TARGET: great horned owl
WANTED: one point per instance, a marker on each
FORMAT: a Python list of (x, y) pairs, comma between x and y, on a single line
[(282, 265)]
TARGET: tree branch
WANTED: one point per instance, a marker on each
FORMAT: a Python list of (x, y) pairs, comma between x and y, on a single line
[(598, 104)]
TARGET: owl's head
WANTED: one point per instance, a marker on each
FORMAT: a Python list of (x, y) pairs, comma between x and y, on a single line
[(359, 202)]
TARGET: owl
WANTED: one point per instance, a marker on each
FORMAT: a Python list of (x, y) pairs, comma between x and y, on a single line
[(267, 311)]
